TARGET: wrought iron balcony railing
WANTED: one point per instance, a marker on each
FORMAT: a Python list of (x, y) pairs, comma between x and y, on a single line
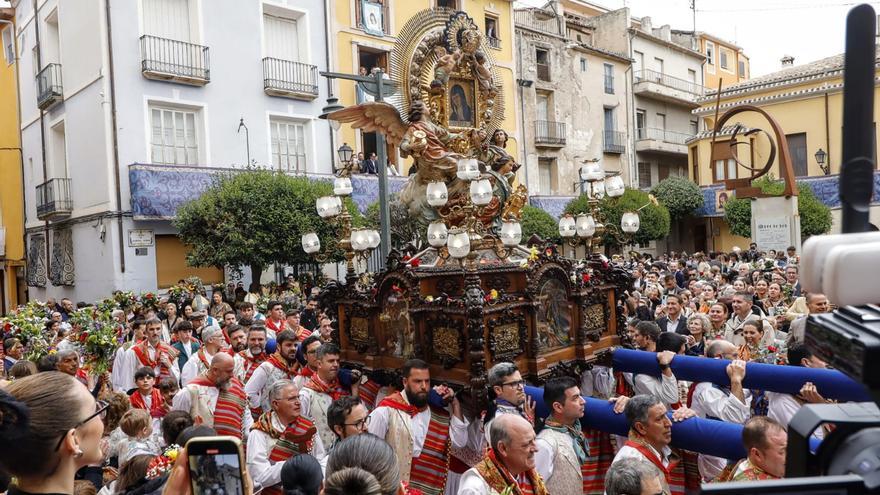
[(615, 142), (288, 78), (49, 88), (549, 132), (648, 75), (171, 60), (53, 199)]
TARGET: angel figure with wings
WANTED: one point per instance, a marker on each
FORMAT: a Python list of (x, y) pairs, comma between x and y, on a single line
[(423, 140)]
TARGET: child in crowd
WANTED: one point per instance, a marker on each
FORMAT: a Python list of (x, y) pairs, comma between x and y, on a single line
[(138, 427), (147, 397)]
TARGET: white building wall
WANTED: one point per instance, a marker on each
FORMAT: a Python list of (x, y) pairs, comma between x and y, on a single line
[(233, 32)]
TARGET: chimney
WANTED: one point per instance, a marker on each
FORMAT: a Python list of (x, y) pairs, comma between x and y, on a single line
[(787, 60), (665, 33), (646, 25)]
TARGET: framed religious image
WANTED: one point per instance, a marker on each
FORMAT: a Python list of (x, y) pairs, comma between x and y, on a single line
[(553, 314), (462, 103), (371, 18)]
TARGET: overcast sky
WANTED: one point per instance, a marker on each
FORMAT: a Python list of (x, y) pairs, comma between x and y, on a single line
[(766, 29)]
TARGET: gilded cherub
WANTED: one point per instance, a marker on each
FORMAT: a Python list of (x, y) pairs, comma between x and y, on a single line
[(446, 63)]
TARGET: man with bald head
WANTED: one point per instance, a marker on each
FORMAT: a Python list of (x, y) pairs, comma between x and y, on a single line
[(217, 399), (509, 460)]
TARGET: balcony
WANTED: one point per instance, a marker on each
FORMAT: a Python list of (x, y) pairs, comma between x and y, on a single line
[(53, 199), (540, 20), (614, 142), (549, 134), (290, 79), (49, 88), (163, 59), (494, 42), (659, 86), (661, 141)]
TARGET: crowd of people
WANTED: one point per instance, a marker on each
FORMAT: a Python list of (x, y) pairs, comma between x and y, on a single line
[(194, 367)]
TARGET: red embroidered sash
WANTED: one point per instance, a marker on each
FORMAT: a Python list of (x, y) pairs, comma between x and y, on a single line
[(599, 460), (276, 327), (396, 401), (157, 409), (499, 479), (306, 372), (203, 359), (676, 483), (230, 408), (251, 363), (334, 390), (429, 470), (297, 438), (367, 393), (277, 361), (143, 356)]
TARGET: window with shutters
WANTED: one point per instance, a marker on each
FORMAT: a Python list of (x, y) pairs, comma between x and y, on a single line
[(546, 176), (281, 37), (797, 149), (170, 19), (8, 45), (175, 136), (288, 145), (723, 165)]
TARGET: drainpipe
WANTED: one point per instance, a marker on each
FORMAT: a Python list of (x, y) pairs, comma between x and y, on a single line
[(42, 130), (633, 162), (329, 80), (522, 110), (827, 136), (115, 135)]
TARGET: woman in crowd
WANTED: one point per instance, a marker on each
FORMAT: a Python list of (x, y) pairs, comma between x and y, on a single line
[(172, 318), (301, 475), (717, 318), (775, 306), (362, 464), (51, 427), (699, 326), (752, 349), (218, 305), (761, 289), (708, 297)]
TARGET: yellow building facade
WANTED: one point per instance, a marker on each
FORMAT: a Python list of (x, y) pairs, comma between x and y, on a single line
[(12, 284), (355, 46), (806, 101)]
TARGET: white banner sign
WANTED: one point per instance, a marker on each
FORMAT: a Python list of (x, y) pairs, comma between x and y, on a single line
[(773, 233)]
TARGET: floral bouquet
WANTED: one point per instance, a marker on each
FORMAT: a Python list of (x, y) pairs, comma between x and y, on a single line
[(195, 285), (107, 305), (149, 300), (29, 322), (163, 462), (178, 294), (82, 318), (263, 303), (99, 342), (125, 299)]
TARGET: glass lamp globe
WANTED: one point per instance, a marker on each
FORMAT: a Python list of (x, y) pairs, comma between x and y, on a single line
[(592, 171), (511, 233), (468, 169), (458, 242), (337, 205), (614, 186), (598, 189), (311, 243), (585, 225), (437, 233), (481, 192), (325, 206), (567, 227), (373, 239), (342, 186), (629, 222), (437, 194), (359, 239)]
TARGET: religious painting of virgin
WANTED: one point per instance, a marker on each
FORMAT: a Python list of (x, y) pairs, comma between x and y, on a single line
[(554, 315), (461, 103)]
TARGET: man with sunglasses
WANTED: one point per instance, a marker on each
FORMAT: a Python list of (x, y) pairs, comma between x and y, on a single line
[(279, 434)]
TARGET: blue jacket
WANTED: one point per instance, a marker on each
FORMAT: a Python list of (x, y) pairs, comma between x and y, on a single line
[(183, 358)]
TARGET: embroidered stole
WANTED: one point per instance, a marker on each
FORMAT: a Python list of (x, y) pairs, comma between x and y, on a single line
[(156, 402), (277, 328), (143, 355), (367, 393), (499, 479), (334, 389), (297, 438), (674, 481), (598, 461), (251, 363), (231, 405)]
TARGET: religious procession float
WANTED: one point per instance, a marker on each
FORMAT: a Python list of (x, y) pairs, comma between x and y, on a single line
[(475, 296)]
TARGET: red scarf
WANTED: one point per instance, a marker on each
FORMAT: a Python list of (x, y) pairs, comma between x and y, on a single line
[(203, 359), (396, 401), (143, 355), (306, 372), (333, 389), (251, 363), (297, 438), (157, 403), (499, 478), (230, 409), (649, 454), (279, 362), (276, 327)]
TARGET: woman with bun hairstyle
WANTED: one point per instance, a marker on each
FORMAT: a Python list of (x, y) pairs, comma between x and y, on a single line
[(363, 465), (301, 475), (51, 427)]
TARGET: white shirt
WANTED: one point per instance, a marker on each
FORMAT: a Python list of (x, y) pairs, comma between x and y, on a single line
[(783, 407), (473, 484), (672, 325), (264, 472), (193, 368), (131, 364), (710, 401), (183, 402), (664, 388), (254, 387), (627, 452), (458, 429)]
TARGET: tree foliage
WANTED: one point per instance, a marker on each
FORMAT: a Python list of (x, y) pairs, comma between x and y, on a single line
[(679, 195), (256, 218), (654, 218), (536, 221), (403, 229), (814, 215)]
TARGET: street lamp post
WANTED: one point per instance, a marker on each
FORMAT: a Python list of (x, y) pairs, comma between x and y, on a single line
[(820, 159), (383, 88)]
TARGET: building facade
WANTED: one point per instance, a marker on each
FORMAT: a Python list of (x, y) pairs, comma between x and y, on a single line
[(574, 96), (12, 269), (807, 102), (726, 63), (360, 41), (127, 96)]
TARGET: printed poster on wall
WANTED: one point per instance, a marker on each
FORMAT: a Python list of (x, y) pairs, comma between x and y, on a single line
[(773, 233)]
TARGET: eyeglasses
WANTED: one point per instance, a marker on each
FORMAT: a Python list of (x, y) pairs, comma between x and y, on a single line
[(100, 411), (360, 425), (516, 384)]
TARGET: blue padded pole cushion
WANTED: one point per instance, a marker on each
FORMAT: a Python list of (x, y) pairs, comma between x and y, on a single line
[(832, 384)]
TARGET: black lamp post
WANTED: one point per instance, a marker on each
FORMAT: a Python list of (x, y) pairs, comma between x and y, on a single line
[(345, 153), (820, 159)]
